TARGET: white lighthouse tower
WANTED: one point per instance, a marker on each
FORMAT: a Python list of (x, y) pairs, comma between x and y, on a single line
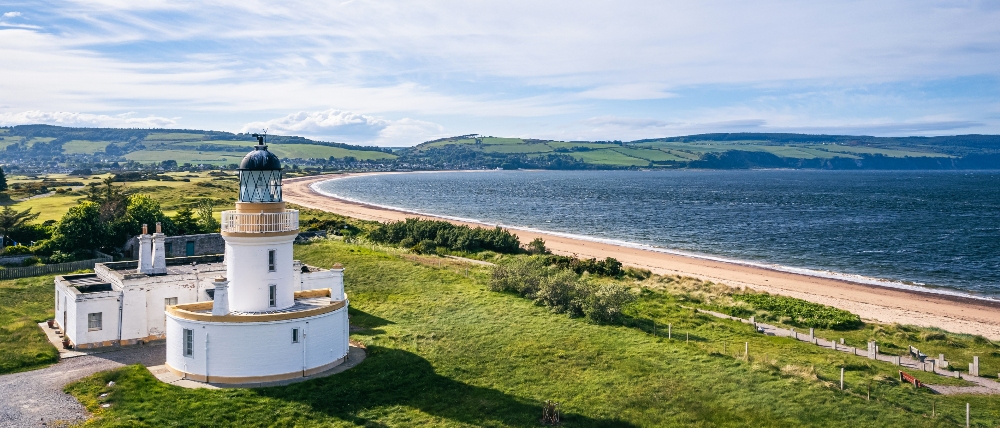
[(270, 319)]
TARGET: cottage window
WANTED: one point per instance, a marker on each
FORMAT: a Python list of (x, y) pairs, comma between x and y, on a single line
[(169, 301), (94, 321), (188, 342), (270, 260), (295, 335), (189, 248), (272, 292), (168, 248)]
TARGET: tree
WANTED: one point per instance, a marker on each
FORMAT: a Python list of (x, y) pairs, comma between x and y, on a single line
[(110, 199), (142, 209), (81, 228), (185, 223), (3, 180), (12, 220), (206, 216)]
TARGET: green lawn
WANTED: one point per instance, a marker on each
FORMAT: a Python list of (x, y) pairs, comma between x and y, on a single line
[(25, 302), (444, 351)]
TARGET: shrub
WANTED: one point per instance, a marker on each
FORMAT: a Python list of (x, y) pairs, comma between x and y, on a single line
[(604, 303), (522, 275), (30, 261), (453, 237), (560, 292), (607, 267), (60, 257), (802, 312), (16, 250)]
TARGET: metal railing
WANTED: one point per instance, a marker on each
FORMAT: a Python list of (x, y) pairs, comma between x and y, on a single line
[(234, 222)]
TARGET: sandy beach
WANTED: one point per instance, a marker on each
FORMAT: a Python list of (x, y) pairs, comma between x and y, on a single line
[(871, 302)]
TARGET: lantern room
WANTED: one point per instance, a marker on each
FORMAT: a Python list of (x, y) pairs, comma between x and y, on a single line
[(260, 175)]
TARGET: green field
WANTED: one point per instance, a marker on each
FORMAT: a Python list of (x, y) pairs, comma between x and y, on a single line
[(24, 303), (640, 154), (84, 147), (444, 351)]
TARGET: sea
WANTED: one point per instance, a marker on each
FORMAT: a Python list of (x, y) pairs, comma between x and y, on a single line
[(937, 231)]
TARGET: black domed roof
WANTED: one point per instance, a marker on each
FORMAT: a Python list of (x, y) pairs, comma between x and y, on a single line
[(260, 159)]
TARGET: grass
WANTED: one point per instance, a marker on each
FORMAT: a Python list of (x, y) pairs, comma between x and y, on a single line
[(609, 157), (893, 339), (443, 351), (85, 147), (50, 207), (24, 302)]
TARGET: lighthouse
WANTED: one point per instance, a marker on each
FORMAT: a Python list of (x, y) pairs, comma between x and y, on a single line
[(271, 318)]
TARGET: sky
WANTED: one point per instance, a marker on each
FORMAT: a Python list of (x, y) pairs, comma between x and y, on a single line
[(400, 73)]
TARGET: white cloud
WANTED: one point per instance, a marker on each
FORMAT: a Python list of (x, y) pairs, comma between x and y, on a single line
[(633, 91), (348, 127), (530, 66), (74, 119)]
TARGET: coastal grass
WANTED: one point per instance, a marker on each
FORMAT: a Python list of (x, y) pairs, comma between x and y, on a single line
[(445, 351), (893, 339), (24, 303)]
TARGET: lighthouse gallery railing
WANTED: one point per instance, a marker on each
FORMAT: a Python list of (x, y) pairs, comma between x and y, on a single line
[(234, 222)]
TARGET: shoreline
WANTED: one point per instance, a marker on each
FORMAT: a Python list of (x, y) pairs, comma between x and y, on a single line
[(873, 300)]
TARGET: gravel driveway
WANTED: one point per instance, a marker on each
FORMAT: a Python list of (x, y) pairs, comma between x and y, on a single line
[(36, 398)]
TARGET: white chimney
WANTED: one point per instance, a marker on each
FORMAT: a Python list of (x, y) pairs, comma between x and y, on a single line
[(220, 300), (159, 258), (145, 252)]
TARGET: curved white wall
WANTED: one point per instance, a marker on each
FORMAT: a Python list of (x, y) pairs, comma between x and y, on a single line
[(254, 350), (248, 275)]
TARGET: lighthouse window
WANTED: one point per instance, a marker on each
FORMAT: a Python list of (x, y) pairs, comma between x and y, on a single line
[(272, 291), (295, 335), (270, 260), (188, 342)]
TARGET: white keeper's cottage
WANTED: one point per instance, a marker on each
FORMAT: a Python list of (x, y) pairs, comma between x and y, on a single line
[(250, 315)]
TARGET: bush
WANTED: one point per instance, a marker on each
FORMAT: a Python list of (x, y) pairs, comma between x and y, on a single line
[(607, 267), (522, 275), (60, 257), (453, 237), (802, 312), (604, 303), (561, 290), (426, 246), (16, 250), (30, 261)]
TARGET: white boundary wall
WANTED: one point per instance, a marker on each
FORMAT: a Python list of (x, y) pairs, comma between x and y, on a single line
[(260, 348)]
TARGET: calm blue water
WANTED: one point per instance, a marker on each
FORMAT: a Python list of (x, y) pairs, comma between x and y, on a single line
[(938, 228)]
